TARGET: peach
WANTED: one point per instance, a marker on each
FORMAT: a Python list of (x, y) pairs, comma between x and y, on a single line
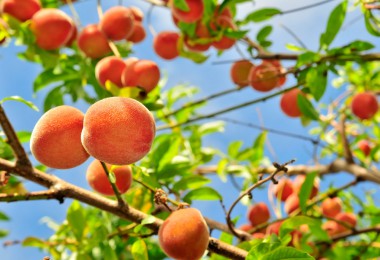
[(195, 12), (110, 68), (224, 43), (331, 227), (288, 103), (165, 45), (97, 178), (280, 69), (55, 140), (92, 42), (292, 203), (258, 235), (184, 234), (246, 227), (118, 130), (365, 147), (364, 105), (239, 72), (264, 77), (22, 10), (73, 37), (117, 23), (298, 182), (283, 189), (138, 33), (221, 19), (348, 218), (274, 228), (137, 14), (331, 207), (258, 214), (142, 73), (201, 33), (52, 28)]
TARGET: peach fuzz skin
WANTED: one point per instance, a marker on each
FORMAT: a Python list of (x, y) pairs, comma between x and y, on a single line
[(55, 140), (184, 235), (97, 178), (118, 130)]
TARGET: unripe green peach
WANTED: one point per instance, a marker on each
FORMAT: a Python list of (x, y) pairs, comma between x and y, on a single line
[(118, 130), (165, 45), (92, 42), (117, 23), (97, 178), (184, 235), (56, 138), (52, 28), (22, 10)]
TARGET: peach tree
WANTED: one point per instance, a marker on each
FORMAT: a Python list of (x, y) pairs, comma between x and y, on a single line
[(151, 159)]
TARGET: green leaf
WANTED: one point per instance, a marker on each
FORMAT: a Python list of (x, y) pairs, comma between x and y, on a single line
[(306, 190), (181, 4), (76, 219), (148, 220), (34, 242), (233, 148), (286, 253), (316, 80), (334, 24), (139, 250), (112, 177), (264, 33), (258, 149), (20, 99), (293, 47), (3, 233), (53, 98), (204, 193), (307, 58), (221, 169), (262, 15), (24, 136), (211, 127), (315, 226), (370, 25), (307, 108), (3, 217), (191, 182)]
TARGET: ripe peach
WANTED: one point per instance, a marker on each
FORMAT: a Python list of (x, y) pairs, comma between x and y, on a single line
[(52, 28), (289, 104), (138, 33), (348, 218), (142, 73), (274, 228), (184, 234), (93, 42), (194, 13), (221, 19), (331, 227), (201, 33), (165, 45), (331, 207), (23, 10), (239, 72), (224, 43), (137, 14), (292, 203), (118, 130), (110, 68), (117, 23), (283, 189), (55, 140), (364, 105), (263, 77), (258, 214), (246, 227), (258, 235), (277, 64), (97, 178), (298, 182), (365, 147)]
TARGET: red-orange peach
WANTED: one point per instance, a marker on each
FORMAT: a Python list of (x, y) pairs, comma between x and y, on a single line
[(52, 28), (165, 45), (274, 228), (56, 138), (331, 207), (138, 33), (110, 68), (264, 77), (364, 105), (283, 189), (117, 23), (280, 69), (142, 73), (258, 214), (195, 12), (288, 103), (348, 218), (292, 203), (298, 182), (137, 14), (239, 72), (331, 227), (92, 42), (184, 234), (97, 178), (118, 130), (365, 147), (23, 10)]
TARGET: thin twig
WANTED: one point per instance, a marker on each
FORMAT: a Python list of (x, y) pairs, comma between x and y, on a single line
[(113, 185), (38, 195)]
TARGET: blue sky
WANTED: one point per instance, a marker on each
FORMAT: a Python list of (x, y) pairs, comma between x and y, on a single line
[(16, 78)]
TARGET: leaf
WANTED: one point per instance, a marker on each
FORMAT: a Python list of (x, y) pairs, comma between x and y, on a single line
[(233, 148), (148, 220), (76, 219), (191, 182), (139, 250), (307, 108), (258, 149), (3, 217), (3, 233), (334, 24), (221, 169), (262, 15), (34, 242), (306, 190), (20, 99), (112, 177), (24, 136), (264, 33), (371, 26), (211, 127), (316, 80), (204, 193), (315, 226), (286, 253), (181, 4)]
